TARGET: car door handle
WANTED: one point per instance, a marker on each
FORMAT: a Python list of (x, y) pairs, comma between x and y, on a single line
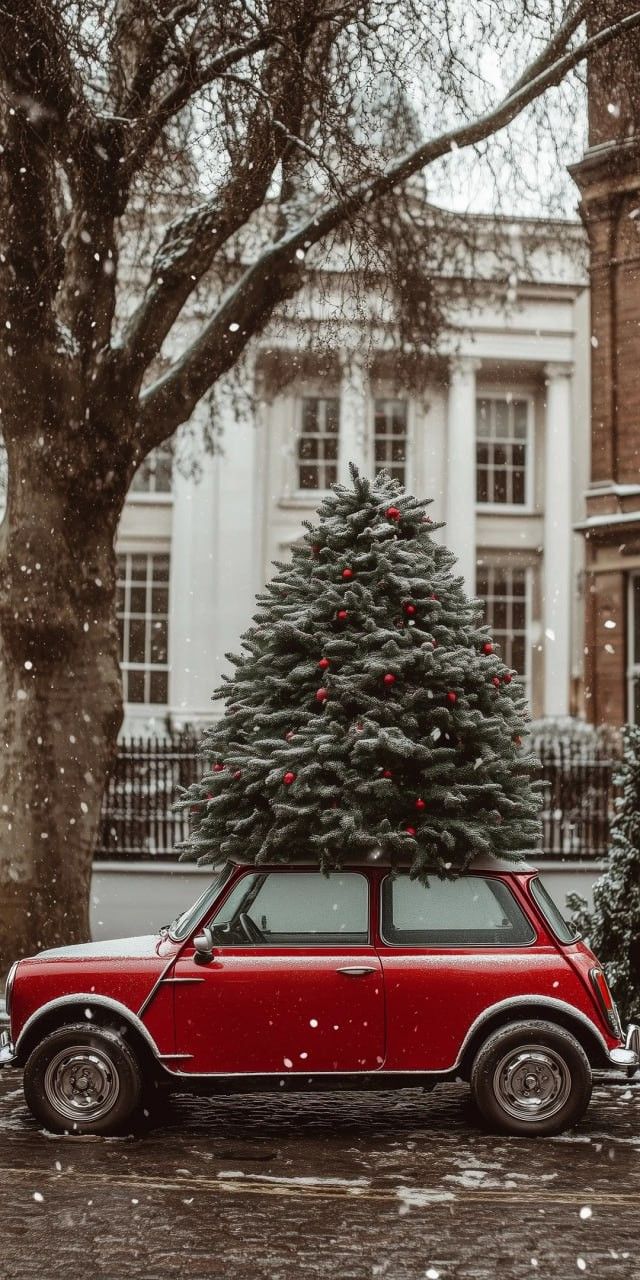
[(356, 971)]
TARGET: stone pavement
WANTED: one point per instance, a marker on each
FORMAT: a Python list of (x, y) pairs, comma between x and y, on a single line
[(401, 1186)]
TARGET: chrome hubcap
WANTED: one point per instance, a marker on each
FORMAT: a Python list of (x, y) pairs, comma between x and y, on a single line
[(532, 1083), (81, 1083)]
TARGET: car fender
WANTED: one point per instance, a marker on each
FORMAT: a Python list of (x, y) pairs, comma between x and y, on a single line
[(87, 1000), (504, 1010)]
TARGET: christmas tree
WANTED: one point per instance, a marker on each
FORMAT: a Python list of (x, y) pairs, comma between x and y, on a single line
[(370, 713), (613, 926)]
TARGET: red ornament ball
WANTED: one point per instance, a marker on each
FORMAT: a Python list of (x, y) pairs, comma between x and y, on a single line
[(387, 773), (434, 597), (452, 697), (389, 679), (411, 831), (322, 695), (288, 778), (420, 803), (342, 615), (347, 573), (409, 609), (238, 773), (218, 767), (507, 677), (487, 647), (323, 664), (393, 513), (496, 681)]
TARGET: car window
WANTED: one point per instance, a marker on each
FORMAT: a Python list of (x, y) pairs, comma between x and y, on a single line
[(469, 911), (295, 909), (564, 931)]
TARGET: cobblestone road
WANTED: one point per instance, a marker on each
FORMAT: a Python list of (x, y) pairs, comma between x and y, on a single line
[(353, 1186)]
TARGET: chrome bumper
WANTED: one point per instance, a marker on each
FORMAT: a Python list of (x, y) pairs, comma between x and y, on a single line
[(628, 1057), (7, 1054)]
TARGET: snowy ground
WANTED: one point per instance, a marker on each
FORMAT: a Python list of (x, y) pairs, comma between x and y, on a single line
[(355, 1186)]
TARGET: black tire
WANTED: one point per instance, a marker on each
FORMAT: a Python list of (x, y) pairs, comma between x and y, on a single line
[(83, 1081), (532, 1079)]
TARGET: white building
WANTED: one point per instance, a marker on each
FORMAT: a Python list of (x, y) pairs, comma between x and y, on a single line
[(498, 436)]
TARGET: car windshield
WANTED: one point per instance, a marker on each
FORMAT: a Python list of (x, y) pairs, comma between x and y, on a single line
[(181, 927)]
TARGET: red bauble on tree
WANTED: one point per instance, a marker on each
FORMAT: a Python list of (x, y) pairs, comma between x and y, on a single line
[(420, 803), (387, 773), (389, 679), (347, 573), (496, 681), (452, 697), (238, 773), (322, 695), (487, 647), (409, 608), (507, 677), (393, 513), (288, 778), (218, 767), (342, 615), (410, 831), (323, 664)]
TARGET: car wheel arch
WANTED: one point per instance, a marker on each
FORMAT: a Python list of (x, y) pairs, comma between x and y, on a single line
[(514, 1012), (96, 1012)]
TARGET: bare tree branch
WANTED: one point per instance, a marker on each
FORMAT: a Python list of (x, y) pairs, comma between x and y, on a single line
[(269, 281)]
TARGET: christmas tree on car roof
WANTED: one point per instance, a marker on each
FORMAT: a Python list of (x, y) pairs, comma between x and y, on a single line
[(370, 714)]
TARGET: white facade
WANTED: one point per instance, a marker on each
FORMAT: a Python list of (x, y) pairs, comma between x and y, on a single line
[(498, 437)]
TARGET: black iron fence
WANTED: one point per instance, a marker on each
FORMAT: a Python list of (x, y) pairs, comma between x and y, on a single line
[(139, 822)]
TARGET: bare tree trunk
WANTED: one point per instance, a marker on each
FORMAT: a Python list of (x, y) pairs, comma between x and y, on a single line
[(60, 701)]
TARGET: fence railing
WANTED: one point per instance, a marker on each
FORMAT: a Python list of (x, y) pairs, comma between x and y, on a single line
[(139, 822)]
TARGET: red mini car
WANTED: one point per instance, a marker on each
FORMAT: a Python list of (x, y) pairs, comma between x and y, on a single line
[(281, 977)]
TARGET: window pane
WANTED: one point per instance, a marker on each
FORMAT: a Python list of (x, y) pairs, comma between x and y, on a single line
[(159, 641), (137, 629), (138, 600), (135, 683), (467, 912), (299, 908), (158, 690)]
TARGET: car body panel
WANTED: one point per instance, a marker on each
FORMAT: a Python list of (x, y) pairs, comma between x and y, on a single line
[(252, 1011), (280, 1011)]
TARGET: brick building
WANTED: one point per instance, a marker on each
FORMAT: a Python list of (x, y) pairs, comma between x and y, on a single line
[(609, 180)]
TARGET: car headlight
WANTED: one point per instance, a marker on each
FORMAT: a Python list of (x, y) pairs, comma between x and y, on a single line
[(9, 986)]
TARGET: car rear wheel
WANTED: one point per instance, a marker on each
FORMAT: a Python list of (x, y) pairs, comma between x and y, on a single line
[(79, 1081), (531, 1079)]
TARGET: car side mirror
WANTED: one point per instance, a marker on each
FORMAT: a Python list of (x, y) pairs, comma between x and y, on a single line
[(203, 944)]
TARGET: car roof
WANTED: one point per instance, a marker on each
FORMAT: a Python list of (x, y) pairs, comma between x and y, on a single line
[(484, 862)]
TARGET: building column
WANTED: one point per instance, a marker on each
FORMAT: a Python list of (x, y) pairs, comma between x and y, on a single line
[(353, 416), (460, 533), (558, 536)]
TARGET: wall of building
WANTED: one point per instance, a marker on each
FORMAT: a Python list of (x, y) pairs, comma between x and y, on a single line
[(245, 509)]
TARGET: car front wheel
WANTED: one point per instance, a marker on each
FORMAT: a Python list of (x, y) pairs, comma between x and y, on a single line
[(531, 1079), (79, 1081)]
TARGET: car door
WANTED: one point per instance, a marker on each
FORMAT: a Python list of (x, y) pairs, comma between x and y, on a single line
[(294, 985), (451, 949)]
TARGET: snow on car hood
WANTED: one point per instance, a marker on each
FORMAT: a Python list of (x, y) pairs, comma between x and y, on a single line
[(115, 949)]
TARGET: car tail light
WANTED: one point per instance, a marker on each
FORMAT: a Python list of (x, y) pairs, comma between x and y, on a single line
[(605, 1000)]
